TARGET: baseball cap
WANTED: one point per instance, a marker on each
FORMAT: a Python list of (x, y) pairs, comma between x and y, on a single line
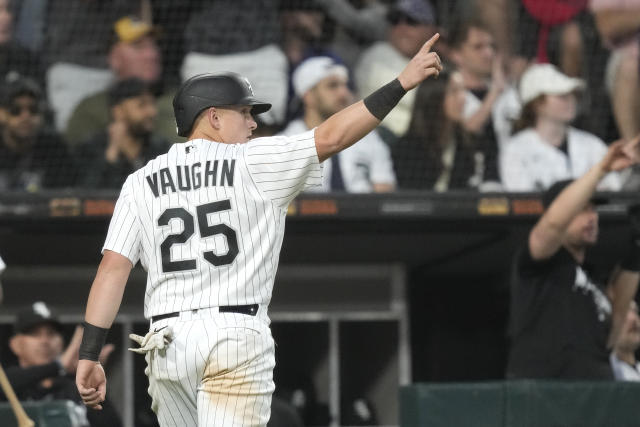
[(545, 79), (311, 71), (34, 315), (129, 29), (125, 89), (552, 192), (18, 87), (420, 11)]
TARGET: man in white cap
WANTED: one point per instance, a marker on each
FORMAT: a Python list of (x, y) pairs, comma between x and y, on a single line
[(366, 166), (545, 148)]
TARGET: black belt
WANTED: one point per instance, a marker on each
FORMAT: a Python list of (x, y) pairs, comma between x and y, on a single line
[(250, 309)]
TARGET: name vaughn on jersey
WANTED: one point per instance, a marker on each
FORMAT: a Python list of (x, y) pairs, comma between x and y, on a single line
[(185, 178)]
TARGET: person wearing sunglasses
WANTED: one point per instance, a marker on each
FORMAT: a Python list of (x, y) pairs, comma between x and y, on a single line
[(32, 158), (411, 23)]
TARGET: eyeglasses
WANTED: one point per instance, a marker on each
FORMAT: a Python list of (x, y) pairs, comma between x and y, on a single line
[(16, 110)]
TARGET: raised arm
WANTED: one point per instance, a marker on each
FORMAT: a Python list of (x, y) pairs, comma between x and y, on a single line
[(546, 237), (352, 123)]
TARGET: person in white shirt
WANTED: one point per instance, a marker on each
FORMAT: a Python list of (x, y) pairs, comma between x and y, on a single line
[(545, 148), (322, 85), (623, 358)]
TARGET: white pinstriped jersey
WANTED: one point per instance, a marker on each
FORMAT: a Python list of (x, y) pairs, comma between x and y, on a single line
[(206, 219)]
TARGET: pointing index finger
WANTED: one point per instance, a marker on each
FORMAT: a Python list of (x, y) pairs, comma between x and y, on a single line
[(429, 43)]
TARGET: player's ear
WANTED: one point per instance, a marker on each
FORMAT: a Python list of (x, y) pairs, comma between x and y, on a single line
[(213, 117), (3, 115)]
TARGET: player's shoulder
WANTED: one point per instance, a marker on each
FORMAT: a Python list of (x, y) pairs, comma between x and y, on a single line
[(282, 140), (153, 165)]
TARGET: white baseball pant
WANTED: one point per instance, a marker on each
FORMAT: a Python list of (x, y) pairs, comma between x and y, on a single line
[(217, 369)]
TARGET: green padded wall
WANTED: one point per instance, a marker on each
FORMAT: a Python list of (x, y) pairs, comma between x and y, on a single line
[(521, 404)]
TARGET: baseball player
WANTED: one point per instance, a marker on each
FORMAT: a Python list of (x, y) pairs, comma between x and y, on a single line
[(206, 220)]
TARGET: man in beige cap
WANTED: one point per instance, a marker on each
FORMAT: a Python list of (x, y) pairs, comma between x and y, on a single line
[(134, 54)]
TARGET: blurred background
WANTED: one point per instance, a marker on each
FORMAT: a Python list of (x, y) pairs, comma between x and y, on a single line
[(395, 271)]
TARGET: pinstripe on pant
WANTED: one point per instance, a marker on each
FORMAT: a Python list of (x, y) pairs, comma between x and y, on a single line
[(217, 371)]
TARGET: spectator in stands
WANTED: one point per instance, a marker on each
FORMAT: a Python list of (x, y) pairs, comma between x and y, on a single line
[(321, 83), (76, 48), (127, 142), (564, 34), (546, 148), (134, 54), (437, 153), (491, 103), (412, 23), (563, 323), (551, 33), (303, 25), (618, 22), (31, 156), (243, 36), (15, 59), (356, 27), (623, 357), (306, 32), (46, 370)]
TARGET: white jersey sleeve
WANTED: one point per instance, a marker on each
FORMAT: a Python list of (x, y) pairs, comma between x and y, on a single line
[(3, 266), (123, 236), (283, 166)]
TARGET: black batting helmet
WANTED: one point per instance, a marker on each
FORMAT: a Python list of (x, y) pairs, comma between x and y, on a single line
[(212, 90)]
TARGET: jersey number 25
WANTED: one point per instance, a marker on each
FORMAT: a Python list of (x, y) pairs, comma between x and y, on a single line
[(206, 230)]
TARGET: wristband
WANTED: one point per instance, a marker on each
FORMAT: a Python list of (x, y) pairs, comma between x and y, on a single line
[(93, 340), (631, 261), (380, 102)]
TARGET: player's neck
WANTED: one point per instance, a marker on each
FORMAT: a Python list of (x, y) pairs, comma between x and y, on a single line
[(208, 134)]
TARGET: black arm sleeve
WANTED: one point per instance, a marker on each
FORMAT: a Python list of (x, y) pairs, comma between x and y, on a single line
[(24, 378)]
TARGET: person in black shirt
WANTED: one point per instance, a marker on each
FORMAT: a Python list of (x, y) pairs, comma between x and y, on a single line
[(563, 321), (31, 157), (45, 369), (128, 143)]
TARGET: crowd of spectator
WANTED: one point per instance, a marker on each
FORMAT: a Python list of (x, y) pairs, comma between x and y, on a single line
[(87, 87)]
